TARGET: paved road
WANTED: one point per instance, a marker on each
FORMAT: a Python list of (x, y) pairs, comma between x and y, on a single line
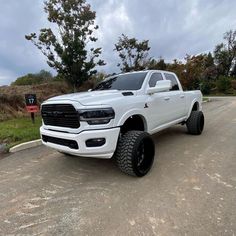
[(191, 189)]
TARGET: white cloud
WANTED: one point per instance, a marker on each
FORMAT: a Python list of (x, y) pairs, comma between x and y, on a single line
[(113, 20), (6, 76), (174, 28)]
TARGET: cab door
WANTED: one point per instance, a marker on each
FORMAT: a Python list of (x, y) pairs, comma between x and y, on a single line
[(159, 108), (175, 97)]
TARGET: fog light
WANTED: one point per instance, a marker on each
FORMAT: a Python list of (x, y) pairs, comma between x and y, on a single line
[(73, 145), (95, 142)]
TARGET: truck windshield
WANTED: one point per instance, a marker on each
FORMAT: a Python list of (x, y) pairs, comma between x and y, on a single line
[(132, 81)]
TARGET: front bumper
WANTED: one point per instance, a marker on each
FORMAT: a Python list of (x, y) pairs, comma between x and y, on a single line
[(105, 151)]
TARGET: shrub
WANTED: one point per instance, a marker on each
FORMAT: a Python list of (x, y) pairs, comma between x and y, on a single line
[(33, 79), (205, 87), (223, 84), (233, 84)]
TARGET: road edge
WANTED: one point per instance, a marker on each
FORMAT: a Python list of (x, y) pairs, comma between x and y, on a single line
[(25, 145), (205, 101)]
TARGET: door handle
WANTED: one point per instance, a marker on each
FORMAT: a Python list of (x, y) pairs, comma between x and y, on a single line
[(167, 98), (182, 96)]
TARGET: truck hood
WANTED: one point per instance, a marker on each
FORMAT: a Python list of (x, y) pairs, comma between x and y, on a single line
[(104, 97)]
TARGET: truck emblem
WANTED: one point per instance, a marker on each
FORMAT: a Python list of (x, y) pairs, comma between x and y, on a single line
[(57, 113)]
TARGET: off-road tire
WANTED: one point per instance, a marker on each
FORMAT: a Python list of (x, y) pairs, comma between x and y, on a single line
[(135, 153), (195, 123)]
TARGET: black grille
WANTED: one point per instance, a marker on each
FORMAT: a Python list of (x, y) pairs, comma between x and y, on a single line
[(63, 115), (64, 142)]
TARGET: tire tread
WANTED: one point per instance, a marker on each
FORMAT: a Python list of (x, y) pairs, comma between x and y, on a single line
[(193, 122), (124, 152)]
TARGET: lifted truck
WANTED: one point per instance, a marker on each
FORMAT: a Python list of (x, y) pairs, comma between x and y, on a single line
[(118, 117)]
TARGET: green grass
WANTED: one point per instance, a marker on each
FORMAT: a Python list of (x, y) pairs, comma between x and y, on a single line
[(205, 99), (15, 131), (221, 95)]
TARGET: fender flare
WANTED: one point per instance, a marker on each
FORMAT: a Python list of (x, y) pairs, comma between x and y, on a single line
[(191, 106), (134, 112)]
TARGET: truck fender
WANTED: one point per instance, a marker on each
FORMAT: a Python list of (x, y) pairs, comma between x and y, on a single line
[(191, 106), (130, 113)]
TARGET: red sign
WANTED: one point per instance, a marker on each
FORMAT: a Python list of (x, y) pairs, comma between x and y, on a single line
[(32, 109), (31, 103)]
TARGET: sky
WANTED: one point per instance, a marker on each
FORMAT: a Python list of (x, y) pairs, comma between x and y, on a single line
[(173, 28)]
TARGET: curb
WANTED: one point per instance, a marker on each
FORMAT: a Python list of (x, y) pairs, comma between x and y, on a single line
[(208, 100), (26, 145)]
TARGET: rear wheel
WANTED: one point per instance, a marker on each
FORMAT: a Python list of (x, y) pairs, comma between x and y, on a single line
[(135, 153), (195, 122)]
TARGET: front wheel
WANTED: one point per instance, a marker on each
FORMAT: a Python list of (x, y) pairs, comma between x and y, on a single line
[(135, 153)]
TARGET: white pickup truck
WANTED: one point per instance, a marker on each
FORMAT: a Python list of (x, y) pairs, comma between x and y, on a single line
[(118, 117)]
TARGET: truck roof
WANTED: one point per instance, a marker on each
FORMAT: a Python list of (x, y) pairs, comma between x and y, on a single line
[(132, 72)]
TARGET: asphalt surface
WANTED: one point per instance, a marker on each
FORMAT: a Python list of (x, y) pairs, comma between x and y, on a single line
[(191, 189)]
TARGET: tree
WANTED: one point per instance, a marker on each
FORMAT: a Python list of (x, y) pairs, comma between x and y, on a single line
[(67, 49), (209, 60), (161, 65), (179, 69), (225, 53), (45, 75), (223, 84), (133, 54), (233, 72), (157, 65), (199, 71), (209, 67), (31, 79)]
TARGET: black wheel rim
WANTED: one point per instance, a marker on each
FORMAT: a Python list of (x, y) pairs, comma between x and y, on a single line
[(140, 154), (144, 156)]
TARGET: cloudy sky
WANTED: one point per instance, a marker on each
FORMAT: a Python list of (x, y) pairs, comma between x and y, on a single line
[(174, 28)]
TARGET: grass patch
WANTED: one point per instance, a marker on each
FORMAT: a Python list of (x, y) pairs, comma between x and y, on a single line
[(221, 95), (205, 99), (15, 131)]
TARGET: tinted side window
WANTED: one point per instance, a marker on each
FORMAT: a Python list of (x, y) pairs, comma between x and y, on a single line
[(173, 80), (154, 78)]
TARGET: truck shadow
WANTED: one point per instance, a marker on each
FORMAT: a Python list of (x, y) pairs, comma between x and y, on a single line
[(172, 132), (108, 167)]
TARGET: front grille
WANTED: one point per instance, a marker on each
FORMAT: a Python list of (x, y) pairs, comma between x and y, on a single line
[(63, 115), (64, 142)]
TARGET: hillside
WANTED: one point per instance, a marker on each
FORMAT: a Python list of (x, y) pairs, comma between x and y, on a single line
[(12, 101)]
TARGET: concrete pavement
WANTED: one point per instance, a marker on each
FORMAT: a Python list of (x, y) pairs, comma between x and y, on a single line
[(191, 189)]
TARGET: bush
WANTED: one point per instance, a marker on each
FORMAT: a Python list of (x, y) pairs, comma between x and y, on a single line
[(223, 84), (15, 101), (233, 84), (12, 100), (27, 80), (205, 87), (33, 79)]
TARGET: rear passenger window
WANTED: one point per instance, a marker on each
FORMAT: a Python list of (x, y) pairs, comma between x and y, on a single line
[(173, 80), (154, 78)]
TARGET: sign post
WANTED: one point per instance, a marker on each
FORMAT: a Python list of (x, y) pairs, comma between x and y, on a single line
[(31, 105)]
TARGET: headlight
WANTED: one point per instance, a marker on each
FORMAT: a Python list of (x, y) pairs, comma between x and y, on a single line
[(97, 116)]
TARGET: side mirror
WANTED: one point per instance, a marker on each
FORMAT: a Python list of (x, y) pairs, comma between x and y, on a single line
[(161, 86), (89, 90)]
